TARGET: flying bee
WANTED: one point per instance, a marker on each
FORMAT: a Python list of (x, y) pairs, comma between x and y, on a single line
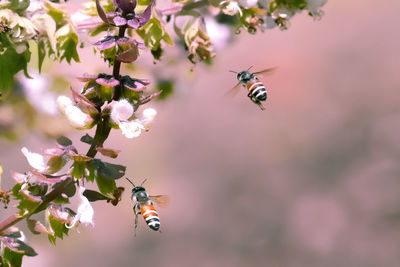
[(249, 80), (144, 203)]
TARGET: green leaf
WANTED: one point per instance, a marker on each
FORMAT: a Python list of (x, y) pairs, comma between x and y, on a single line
[(87, 139), (106, 186), (28, 251), (153, 33), (55, 163), (10, 64), (41, 53), (39, 189), (64, 141), (58, 227), (15, 191), (57, 14), (108, 170), (143, 2), (78, 169), (13, 258), (167, 88), (92, 195), (67, 43)]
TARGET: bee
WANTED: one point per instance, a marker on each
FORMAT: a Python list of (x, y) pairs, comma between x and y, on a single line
[(144, 203), (249, 80)]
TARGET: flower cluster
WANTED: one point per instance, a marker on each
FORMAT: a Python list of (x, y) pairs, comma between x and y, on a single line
[(198, 42)]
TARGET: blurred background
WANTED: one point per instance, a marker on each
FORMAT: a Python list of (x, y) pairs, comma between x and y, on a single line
[(314, 180)]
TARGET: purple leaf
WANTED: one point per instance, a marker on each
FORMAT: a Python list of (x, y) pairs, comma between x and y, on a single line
[(149, 98), (134, 23), (119, 21), (100, 10), (129, 55), (111, 15), (145, 16), (125, 40), (107, 82), (106, 43)]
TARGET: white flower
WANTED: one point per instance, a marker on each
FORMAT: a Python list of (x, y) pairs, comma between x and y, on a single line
[(218, 33), (78, 118), (34, 159), (149, 115), (85, 211), (131, 129), (75, 115), (248, 3), (63, 102), (37, 93), (121, 110), (35, 5), (231, 8)]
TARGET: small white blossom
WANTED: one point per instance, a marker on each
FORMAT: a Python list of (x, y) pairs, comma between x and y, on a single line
[(63, 102), (248, 3), (149, 115), (121, 110), (34, 159), (85, 211), (231, 8), (131, 129), (219, 34), (37, 93), (75, 115), (77, 118)]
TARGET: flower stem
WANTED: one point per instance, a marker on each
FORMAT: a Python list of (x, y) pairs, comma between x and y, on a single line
[(117, 67)]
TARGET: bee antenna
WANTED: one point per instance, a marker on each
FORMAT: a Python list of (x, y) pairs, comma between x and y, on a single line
[(249, 68), (130, 182), (143, 182), (233, 71)]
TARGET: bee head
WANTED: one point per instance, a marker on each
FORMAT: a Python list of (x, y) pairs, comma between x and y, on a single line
[(139, 192), (244, 76)]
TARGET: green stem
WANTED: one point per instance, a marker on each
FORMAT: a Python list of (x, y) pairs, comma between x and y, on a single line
[(117, 68)]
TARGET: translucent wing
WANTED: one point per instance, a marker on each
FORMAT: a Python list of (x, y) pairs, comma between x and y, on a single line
[(161, 200), (232, 92), (269, 70)]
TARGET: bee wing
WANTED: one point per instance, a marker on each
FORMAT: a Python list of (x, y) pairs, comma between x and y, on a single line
[(161, 200), (233, 91), (269, 70)]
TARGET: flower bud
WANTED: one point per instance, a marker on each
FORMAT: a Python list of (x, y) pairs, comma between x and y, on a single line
[(148, 117)]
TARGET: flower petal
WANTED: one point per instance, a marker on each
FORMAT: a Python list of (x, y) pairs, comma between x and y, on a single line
[(34, 159), (131, 129)]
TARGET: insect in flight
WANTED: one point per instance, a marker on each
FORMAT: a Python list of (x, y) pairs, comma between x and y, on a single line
[(249, 80), (144, 203)]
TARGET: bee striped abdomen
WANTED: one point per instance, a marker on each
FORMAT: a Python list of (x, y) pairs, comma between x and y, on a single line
[(257, 90), (150, 215)]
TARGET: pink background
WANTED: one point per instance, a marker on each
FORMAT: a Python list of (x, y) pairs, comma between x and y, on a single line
[(314, 180)]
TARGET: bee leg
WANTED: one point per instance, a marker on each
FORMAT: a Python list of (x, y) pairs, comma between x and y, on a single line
[(136, 217), (256, 101)]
